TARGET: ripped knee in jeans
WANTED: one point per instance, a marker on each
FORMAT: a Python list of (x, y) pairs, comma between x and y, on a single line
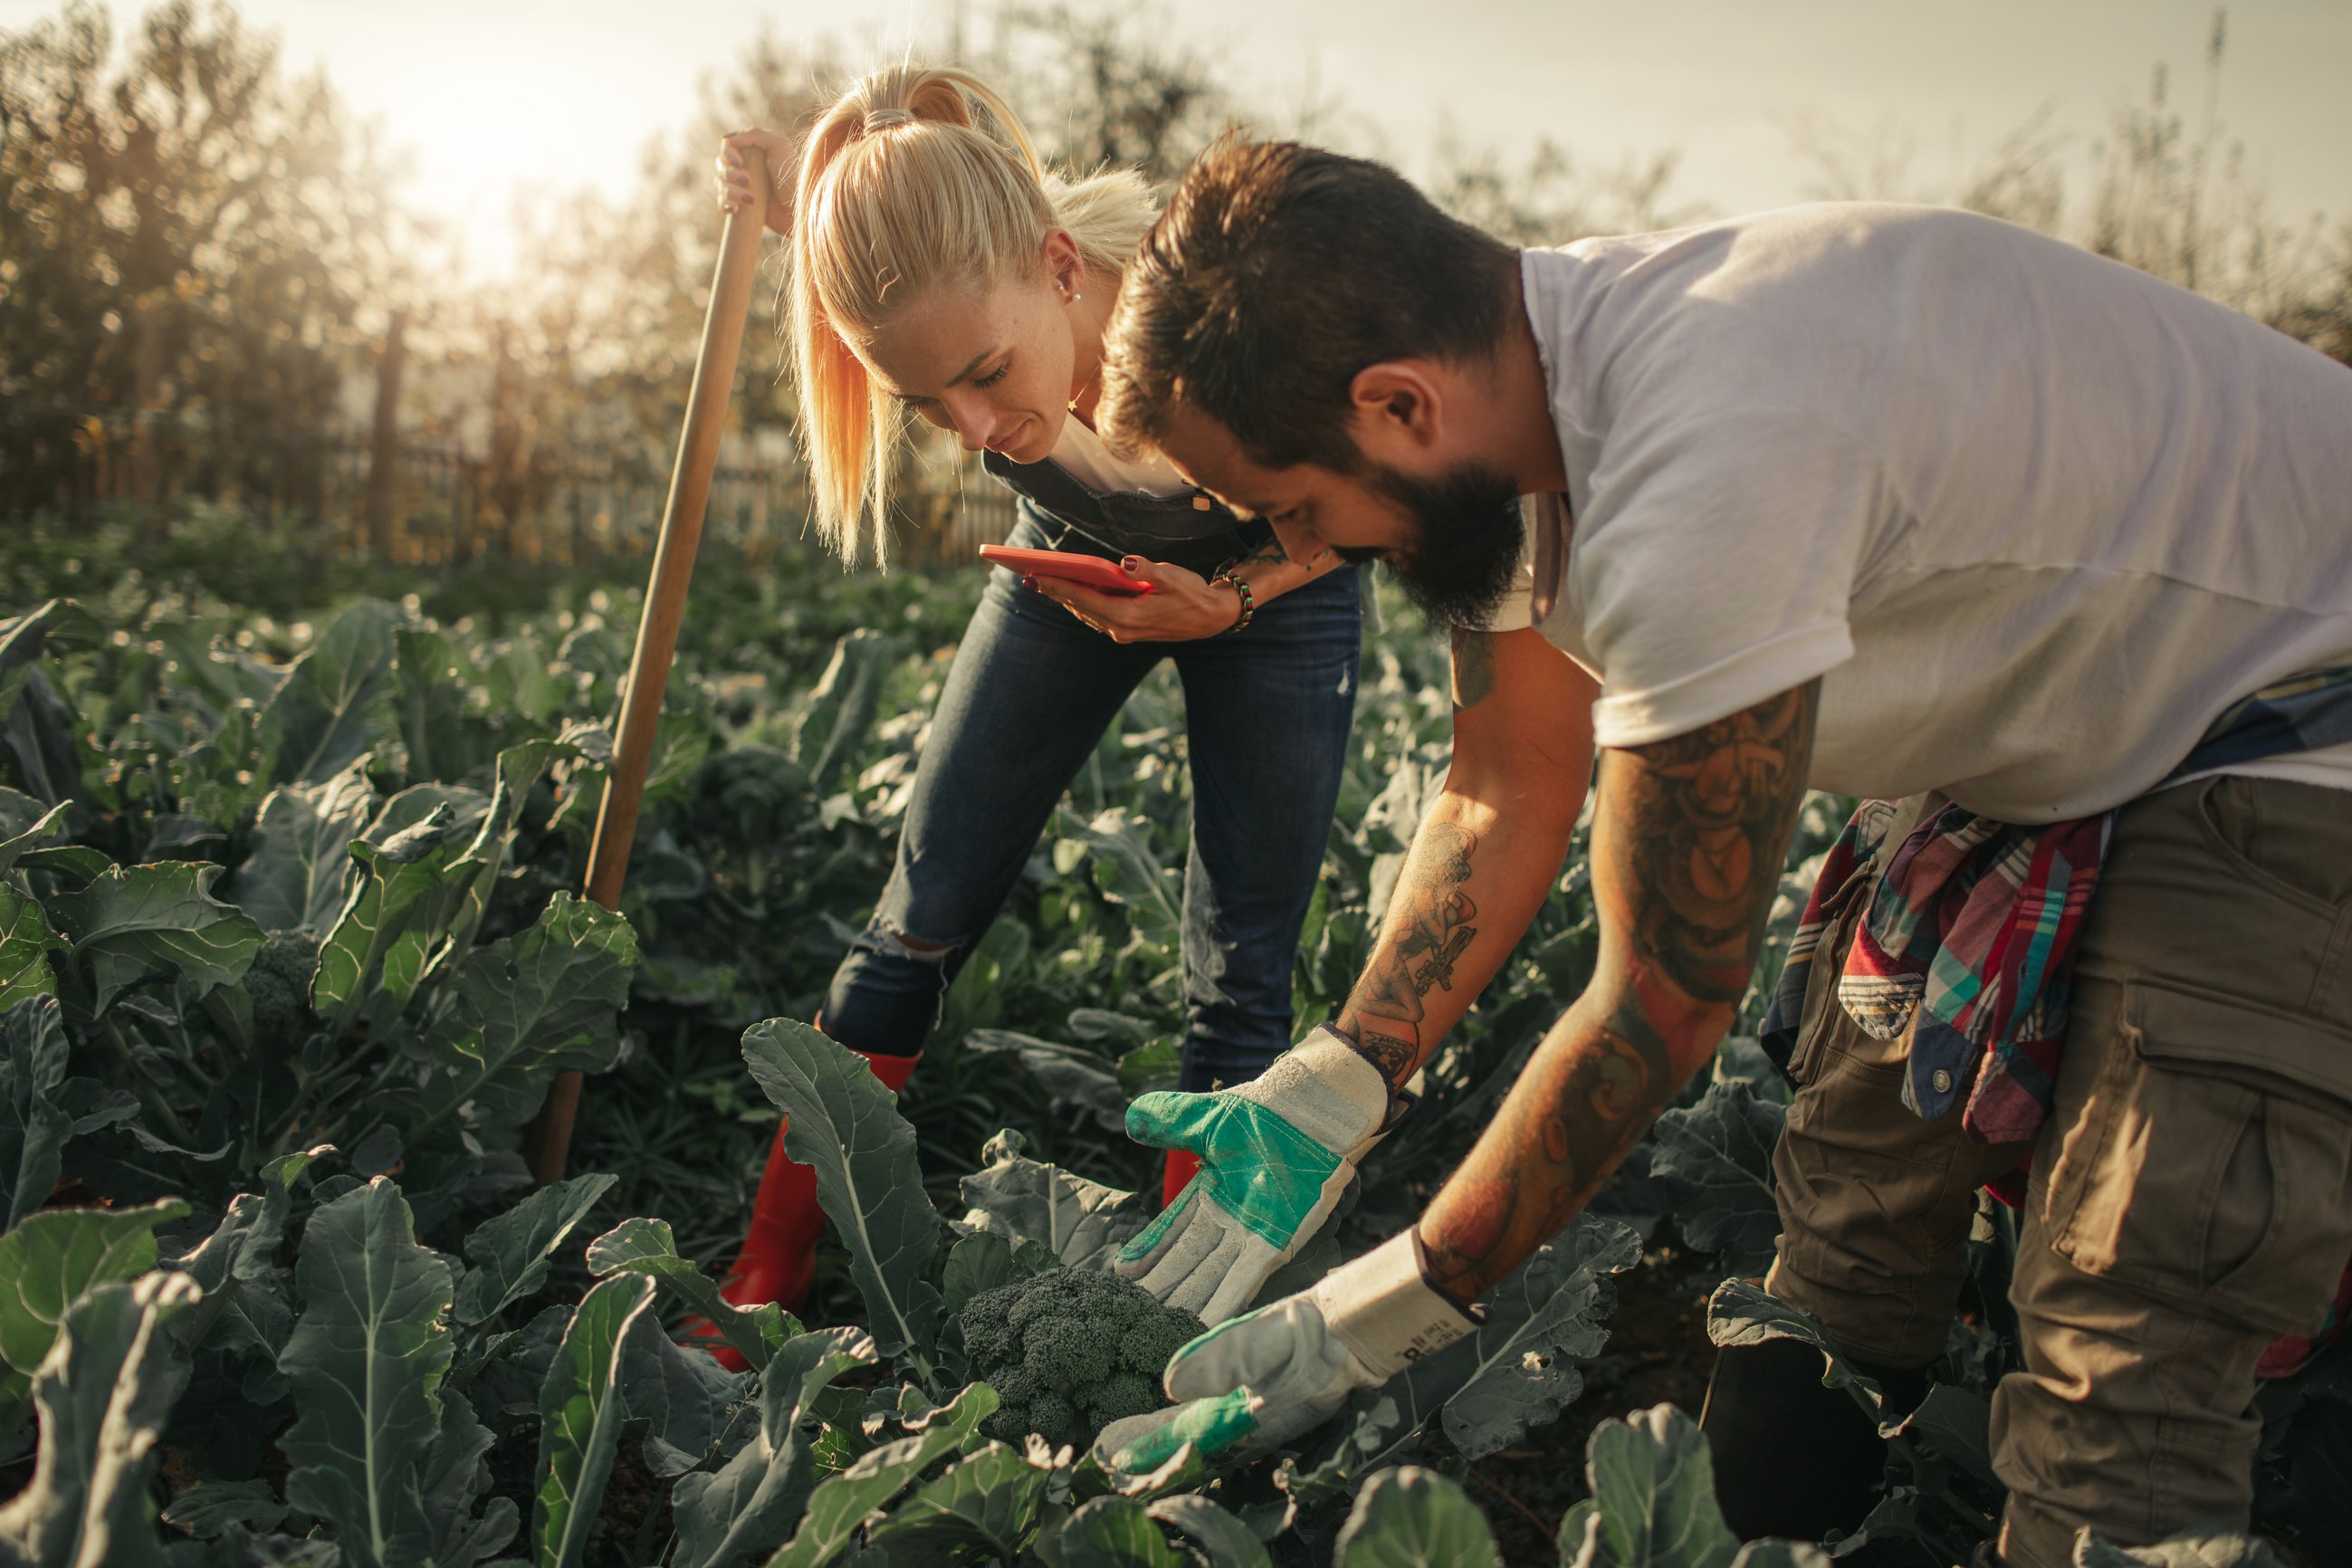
[(892, 942)]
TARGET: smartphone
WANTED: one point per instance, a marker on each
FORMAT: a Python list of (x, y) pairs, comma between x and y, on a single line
[(1086, 571)]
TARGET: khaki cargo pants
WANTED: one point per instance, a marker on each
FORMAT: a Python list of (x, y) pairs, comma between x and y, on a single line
[(2190, 1197)]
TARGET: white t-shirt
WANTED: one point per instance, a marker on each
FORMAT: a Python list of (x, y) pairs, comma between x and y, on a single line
[(1083, 456), (2035, 518)]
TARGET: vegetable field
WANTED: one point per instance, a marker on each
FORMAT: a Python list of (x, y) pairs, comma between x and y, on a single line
[(290, 949)]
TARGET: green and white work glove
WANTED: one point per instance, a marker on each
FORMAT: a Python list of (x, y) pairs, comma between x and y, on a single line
[(1274, 1154), (1263, 1378)]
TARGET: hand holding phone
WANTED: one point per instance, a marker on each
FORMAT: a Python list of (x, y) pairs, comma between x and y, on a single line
[(1086, 571)]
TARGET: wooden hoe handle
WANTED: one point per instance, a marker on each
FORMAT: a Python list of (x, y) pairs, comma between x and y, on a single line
[(548, 1142)]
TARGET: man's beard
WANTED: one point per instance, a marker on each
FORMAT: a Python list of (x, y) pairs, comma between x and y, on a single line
[(1466, 543)]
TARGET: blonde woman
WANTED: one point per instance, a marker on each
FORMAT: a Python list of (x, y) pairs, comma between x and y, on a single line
[(939, 270)]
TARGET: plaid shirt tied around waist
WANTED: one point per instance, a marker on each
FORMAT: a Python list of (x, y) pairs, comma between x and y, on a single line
[(1972, 925)]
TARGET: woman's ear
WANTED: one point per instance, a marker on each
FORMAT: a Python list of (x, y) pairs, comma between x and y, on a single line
[(1065, 269), (1396, 408)]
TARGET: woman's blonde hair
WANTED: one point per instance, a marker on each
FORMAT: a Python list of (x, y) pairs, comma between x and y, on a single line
[(917, 176)]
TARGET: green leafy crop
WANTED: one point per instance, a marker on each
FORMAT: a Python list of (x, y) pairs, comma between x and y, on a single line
[(1070, 1351)]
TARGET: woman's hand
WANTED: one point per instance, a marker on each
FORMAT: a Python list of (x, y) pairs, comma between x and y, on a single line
[(1183, 607), (734, 180)]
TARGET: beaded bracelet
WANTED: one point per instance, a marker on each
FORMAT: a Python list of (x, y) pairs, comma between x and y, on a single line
[(1249, 602)]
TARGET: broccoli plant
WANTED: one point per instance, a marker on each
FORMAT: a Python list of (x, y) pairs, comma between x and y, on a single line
[(1070, 1351)]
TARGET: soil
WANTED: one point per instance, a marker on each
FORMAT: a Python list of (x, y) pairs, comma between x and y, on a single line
[(1658, 1351)]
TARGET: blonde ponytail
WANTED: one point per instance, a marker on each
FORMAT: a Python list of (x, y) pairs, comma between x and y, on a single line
[(917, 176)]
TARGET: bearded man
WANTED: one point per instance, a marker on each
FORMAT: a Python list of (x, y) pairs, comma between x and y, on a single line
[(2047, 561)]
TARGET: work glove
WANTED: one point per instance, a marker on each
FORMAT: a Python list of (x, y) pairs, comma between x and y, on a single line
[(1274, 1154), (1262, 1379)]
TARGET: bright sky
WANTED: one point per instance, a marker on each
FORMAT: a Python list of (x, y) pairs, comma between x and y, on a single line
[(490, 92)]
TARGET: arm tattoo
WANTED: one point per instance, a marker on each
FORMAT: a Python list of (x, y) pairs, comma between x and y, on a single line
[(1430, 924), (1688, 846), (1706, 818), (1566, 1126), (1474, 668)]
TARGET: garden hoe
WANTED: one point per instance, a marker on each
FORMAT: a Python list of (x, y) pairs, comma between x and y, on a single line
[(548, 1140)]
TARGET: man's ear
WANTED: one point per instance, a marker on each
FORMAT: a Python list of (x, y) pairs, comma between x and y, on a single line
[(1395, 409)]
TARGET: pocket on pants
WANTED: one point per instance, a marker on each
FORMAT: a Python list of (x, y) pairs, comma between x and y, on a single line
[(2201, 1166)]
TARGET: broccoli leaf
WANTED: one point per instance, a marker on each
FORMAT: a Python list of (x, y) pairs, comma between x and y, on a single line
[(984, 1260), (397, 911), (510, 1253), (685, 1398), (988, 1504), (24, 944), (1713, 1163), (1117, 1532), (1082, 1223), (840, 1504), (581, 1411), (1217, 1532), (841, 1121), (18, 843), (1413, 1517), (298, 876), (1071, 1075), (527, 1007), (1125, 871), (366, 1359), (325, 716), (645, 1247), (34, 1120), (1739, 1313), (104, 1391), (1652, 1497), (1523, 1365), (47, 1262), (751, 1503), (134, 920)]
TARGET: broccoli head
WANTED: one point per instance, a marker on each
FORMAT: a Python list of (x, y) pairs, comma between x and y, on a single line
[(279, 986), (1070, 1351)]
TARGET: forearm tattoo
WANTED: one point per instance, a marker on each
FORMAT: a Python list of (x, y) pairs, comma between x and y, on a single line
[(1688, 852), (1431, 924)]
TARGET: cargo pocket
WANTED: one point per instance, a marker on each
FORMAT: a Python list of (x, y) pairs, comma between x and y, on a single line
[(2211, 1162)]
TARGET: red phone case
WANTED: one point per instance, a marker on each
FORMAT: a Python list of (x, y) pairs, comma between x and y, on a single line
[(1086, 571)]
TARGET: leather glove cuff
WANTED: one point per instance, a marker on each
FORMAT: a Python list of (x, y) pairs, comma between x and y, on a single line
[(1327, 1089), (1384, 1310)]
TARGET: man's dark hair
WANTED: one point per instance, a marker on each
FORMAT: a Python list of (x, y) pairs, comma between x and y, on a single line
[(1277, 272)]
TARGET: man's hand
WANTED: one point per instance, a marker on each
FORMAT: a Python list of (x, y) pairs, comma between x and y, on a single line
[(1274, 1155), (1263, 1379)]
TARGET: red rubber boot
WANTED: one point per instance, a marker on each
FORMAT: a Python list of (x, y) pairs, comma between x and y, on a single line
[(779, 1258), (1177, 1169)]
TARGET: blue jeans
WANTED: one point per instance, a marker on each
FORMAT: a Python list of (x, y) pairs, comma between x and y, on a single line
[(1267, 711)]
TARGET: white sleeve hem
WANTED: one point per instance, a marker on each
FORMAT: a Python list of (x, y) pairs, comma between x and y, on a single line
[(1640, 717)]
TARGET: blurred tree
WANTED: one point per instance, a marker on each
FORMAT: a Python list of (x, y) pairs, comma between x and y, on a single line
[(190, 241)]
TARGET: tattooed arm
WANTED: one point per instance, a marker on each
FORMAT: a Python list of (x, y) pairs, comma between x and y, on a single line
[(1688, 835), (1485, 856)]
